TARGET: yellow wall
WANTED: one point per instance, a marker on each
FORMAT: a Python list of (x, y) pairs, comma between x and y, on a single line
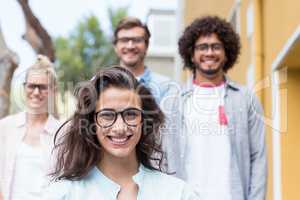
[(197, 8), (291, 140), (280, 21)]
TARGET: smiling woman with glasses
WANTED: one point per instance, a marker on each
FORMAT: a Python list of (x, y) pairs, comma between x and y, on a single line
[(26, 137), (110, 148)]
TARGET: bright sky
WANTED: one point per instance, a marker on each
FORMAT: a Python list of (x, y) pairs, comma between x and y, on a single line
[(59, 17)]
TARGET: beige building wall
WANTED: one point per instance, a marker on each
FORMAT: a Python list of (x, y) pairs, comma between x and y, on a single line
[(161, 65)]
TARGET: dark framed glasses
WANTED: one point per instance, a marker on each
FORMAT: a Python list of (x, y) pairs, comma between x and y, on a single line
[(135, 40), (204, 47), (31, 87), (107, 117)]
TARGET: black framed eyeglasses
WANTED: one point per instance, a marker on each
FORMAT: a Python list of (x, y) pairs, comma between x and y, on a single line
[(41, 87), (107, 117), (205, 46), (135, 40)]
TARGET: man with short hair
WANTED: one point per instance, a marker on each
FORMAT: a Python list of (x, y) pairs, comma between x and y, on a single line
[(131, 41), (219, 146)]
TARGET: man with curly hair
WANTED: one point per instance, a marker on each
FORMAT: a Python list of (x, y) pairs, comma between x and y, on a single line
[(220, 146)]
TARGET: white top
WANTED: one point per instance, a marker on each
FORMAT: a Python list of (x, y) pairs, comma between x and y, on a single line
[(208, 143), (13, 129), (29, 173), (151, 184)]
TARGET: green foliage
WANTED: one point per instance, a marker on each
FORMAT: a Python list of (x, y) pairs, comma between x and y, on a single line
[(115, 17), (86, 49)]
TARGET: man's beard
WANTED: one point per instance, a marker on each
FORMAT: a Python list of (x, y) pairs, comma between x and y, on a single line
[(209, 72), (135, 63), (131, 64)]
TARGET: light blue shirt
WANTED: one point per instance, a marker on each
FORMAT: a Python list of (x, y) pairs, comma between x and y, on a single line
[(159, 85), (151, 184)]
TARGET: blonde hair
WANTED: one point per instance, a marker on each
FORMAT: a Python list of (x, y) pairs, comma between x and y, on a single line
[(43, 65)]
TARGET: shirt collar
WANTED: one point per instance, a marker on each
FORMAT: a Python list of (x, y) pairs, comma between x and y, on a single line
[(112, 188), (139, 177), (146, 76), (229, 84), (50, 125)]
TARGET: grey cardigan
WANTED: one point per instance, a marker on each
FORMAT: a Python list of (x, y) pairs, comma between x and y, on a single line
[(247, 139)]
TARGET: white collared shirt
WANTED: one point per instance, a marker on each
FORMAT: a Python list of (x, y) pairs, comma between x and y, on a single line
[(12, 132), (151, 184)]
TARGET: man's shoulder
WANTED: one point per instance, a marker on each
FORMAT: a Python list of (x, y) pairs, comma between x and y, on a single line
[(244, 90), (243, 93), (159, 78)]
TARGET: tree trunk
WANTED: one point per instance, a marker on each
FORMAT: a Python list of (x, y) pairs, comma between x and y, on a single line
[(36, 35), (8, 63)]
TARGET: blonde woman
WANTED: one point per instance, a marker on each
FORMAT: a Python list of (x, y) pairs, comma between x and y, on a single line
[(26, 137)]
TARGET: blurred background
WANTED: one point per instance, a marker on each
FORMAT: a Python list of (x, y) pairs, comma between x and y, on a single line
[(77, 36)]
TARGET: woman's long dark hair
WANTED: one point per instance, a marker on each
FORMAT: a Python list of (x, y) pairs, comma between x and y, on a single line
[(76, 145)]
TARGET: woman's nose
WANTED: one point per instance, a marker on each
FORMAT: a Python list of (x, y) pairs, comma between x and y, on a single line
[(119, 124)]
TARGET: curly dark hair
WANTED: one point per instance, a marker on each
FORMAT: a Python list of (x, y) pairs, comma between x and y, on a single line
[(205, 26), (76, 145)]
